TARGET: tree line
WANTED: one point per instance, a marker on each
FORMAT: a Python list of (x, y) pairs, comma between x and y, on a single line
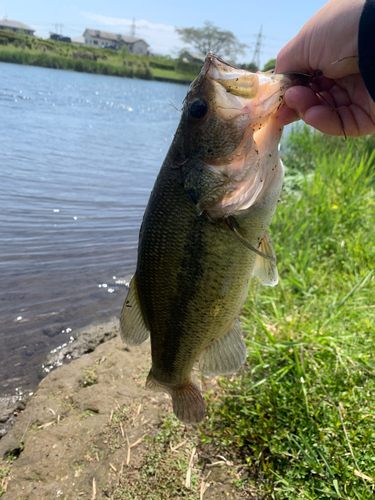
[(223, 43)]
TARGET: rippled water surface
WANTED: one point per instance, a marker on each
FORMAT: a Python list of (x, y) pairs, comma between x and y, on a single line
[(79, 156)]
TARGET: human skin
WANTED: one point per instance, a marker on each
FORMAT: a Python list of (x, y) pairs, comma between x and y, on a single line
[(329, 42)]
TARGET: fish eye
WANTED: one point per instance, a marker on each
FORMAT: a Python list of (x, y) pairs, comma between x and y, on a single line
[(198, 108)]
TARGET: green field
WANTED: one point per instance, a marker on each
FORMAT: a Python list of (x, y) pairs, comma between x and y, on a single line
[(23, 49)]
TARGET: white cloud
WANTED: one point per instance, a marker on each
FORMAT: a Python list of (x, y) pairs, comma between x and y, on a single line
[(162, 38)]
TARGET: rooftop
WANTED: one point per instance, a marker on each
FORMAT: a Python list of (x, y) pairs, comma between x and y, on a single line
[(8, 23), (113, 36)]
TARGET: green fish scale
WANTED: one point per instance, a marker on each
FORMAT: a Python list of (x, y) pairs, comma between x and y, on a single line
[(192, 274)]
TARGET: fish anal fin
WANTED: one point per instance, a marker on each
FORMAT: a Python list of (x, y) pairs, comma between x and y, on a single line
[(188, 404), (226, 355), (266, 269), (133, 329), (154, 385)]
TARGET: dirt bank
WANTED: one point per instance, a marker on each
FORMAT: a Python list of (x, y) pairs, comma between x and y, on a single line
[(90, 429)]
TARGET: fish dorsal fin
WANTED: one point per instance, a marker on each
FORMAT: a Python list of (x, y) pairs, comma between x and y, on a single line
[(133, 329), (266, 269), (226, 355)]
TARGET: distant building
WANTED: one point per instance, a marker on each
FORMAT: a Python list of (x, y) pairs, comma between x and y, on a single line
[(60, 38), (80, 40), (103, 39), (16, 26), (194, 57)]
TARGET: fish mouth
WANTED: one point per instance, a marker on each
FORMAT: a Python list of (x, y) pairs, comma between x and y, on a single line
[(243, 83), (238, 91), (215, 67)]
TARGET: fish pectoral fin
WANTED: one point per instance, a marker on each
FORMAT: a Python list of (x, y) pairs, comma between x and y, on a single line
[(266, 269), (133, 329), (226, 355), (188, 404)]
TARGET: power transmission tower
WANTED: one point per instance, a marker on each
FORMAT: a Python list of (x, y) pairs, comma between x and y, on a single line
[(133, 27), (57, 28), (258, 46)]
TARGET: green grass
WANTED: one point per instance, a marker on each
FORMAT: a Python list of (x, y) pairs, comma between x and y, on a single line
[(90, 376), (302, 412), (23, 49), (171, 74), (161, 472), (5, 471)]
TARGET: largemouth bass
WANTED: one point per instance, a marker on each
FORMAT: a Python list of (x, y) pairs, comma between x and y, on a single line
[(204, 231)]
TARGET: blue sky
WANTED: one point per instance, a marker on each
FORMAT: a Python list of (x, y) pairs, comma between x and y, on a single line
[(155, 19)]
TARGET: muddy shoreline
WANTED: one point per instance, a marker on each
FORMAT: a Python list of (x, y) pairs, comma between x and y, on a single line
[(84, 342), (90, 425)]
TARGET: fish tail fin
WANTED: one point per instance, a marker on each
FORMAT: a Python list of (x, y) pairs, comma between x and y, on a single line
[(188, 404)]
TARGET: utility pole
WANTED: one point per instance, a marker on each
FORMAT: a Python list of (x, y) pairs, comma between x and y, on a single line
[(258, 46), (57, 28), (133, 27)]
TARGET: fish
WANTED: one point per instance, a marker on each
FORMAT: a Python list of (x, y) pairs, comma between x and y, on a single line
[(204, 232)]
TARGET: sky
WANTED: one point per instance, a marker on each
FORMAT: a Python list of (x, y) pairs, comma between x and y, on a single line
[(155, 20)]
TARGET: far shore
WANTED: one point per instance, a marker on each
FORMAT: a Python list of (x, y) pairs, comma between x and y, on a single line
[(32, 51)]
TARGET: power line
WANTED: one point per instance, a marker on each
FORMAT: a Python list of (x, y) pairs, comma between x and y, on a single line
[(133, 27), (57, 25), (257, 51)]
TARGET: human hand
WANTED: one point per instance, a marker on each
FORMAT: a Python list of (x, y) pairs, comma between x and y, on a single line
[(328, 42)]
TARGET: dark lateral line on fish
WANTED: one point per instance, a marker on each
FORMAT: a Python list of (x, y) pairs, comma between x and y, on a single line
[(231, 223)]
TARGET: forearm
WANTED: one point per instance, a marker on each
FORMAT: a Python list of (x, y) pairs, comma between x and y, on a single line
[(366, 46)]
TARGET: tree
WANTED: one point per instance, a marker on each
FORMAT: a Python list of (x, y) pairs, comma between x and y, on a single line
[(211, 38), (269, 65), (252, 67)]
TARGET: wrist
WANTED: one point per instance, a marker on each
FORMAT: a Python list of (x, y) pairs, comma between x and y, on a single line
[(366, 46)]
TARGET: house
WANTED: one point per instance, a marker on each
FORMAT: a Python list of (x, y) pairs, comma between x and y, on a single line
[(16, 26), (194, 57), (79, 40), (103, 39)]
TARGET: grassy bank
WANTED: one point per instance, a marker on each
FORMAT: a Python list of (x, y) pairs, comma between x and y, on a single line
[(298, 421), (22, 49), (302, 412)]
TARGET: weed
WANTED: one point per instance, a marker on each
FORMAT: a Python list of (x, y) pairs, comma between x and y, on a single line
[(5, 470), (114, 430), (90, 377), (162, 472), (86, 413)]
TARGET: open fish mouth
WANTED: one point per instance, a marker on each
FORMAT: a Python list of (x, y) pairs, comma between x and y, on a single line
[(243, 83), (241, 108), (242, 92)]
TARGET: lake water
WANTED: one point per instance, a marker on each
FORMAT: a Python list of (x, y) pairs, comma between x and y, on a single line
[(79, 156)]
